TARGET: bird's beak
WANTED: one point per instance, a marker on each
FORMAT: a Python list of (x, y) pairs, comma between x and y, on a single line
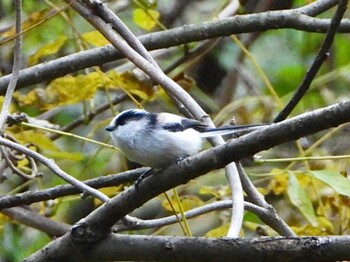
[(109, 128)]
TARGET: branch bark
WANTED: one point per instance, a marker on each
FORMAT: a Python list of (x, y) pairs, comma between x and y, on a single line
[(166, 248), (292, 19), (96, 226)]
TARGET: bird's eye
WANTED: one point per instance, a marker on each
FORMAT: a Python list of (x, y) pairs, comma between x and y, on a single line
[(121, 123)]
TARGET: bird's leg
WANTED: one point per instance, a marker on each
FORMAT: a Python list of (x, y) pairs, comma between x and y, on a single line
[(143, 176)]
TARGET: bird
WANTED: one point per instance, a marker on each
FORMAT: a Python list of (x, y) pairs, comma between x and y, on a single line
[(158, 140)]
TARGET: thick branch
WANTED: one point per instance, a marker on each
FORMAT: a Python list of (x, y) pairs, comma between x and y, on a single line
[(96, 226), (29, 218), (166, 248)]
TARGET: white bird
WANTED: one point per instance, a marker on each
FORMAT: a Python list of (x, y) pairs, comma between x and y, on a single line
[(158, 140)]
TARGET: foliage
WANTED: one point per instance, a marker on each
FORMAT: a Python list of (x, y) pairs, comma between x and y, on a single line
[(311, 195)]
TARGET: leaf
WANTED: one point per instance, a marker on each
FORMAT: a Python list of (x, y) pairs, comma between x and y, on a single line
[(145, 19), (279, 182), (128, 81), (300, 199), (33, 19), (334, 179), (75, 156), (95, 38), (187, 202), (220, 231), (37, 138), (48, 49), (63, 91), (324, 228)]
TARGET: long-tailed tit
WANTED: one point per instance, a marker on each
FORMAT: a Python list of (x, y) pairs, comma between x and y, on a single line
[(158, 140)]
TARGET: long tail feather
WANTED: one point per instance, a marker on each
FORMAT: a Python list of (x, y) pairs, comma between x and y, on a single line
[(226, 130)]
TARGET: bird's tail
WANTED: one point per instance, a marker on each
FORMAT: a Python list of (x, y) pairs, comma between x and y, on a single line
[(226, 130)]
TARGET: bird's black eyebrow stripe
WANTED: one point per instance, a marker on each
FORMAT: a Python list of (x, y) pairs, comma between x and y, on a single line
[(128, 116)]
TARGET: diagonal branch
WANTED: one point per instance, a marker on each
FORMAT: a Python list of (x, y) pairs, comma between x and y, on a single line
[(239, 24), (16, 65), (96, 226), (316, 65), (54, 168)]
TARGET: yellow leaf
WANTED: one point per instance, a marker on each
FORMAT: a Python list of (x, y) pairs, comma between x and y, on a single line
[(63, 91), (37, 138), (75, 156), (324, 227), (220, 231), (187, 202), (95, 38), (31, 21), (279, 182), (145, 19), (128, 81), (47, 49)]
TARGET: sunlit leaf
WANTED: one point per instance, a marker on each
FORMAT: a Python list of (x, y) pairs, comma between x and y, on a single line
[(187, 202), (48, 49), (63, 91), (323, 228), (145, 20), (95, 38), (39, 139), (334, 179), (33, 19), (128, 81), (300, 199), (220, 231), (73, 156), (279, 181)]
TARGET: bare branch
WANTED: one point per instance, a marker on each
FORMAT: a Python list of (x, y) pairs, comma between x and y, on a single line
[(96, 226), (118, 247), (172, 88), (316, 65), (30, 197), (29, 218), (55, 169), (292, 19), (16, 65)]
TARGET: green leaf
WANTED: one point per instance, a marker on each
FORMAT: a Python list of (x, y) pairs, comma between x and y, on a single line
[(334, 179), (300, 199)]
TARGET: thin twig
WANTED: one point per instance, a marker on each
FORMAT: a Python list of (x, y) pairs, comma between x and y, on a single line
[(270, 216), (55, 169), (16, 65), (29, 197), (89, 116), (316, 65), (118, 25), (160, 222)]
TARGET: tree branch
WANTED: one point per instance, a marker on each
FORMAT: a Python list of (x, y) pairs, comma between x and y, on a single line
[(32, 219), (96, 226), (54, 168), (16, 65), (169, 248), (29, 197), (292, 19), (316, 65)]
